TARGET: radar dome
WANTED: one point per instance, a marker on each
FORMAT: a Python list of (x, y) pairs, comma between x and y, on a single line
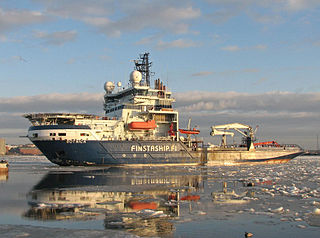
[(119, 84), (135, 78), (109, 86)]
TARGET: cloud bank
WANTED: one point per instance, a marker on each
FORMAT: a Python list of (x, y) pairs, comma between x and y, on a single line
[(56, 38), (159, 18), (14, 19), (289, 117)]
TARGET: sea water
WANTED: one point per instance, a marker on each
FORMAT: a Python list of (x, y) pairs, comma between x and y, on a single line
[(40, 199)]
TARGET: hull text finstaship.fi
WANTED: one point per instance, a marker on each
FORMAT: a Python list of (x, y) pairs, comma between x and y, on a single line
[(141, 127)]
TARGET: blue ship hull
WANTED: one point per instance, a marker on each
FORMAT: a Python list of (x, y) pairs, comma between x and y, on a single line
[(117, 152)]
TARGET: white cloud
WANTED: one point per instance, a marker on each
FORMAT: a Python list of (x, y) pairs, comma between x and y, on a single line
[(53, 102), (3, 38), (71, 61), (163, 17), (201, 74), (149, 39), (298, 5), (180, 43), (56, 38), (316, 43), (245, 102), (104, 57), (226, 72), (260, 47), (233, 48), (13, 19), (77, 9), (97, 21), (282, 116), (195, 101), (114, 18), (263, 11), (261, 80), (15, 58)]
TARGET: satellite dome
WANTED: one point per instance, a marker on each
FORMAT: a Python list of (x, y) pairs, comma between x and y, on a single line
[(109, 86), (135, 78), (119, 84)]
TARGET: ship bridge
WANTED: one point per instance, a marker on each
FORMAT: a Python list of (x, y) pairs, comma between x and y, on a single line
[(141, 103)]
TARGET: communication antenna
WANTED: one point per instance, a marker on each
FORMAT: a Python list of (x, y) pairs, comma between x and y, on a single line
[(143, 66)]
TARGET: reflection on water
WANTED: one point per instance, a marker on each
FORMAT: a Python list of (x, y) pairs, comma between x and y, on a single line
[(182, 201), (139, 200), (4, 175)]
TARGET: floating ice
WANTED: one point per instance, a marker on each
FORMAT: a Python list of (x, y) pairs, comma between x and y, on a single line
[(316, 211), (301, 226), (13, 231), (201, 213), (277, 210), (155, 213)]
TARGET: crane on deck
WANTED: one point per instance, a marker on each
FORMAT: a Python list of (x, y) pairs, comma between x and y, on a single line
[(226, 130)]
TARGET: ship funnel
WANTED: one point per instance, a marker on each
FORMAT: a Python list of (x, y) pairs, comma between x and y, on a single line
[(135, 78)]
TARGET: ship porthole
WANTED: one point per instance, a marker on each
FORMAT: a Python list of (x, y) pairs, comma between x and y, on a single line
[(124, 155), (145, 155), (134, 155)]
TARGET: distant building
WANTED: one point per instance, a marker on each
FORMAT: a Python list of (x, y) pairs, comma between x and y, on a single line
[(2, 146), (28, 149)]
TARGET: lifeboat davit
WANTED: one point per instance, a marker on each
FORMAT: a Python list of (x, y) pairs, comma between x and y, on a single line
[(143, 125), (190, 132)]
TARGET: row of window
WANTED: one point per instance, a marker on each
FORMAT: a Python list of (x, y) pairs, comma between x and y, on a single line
[(60, 134), (159, 107), (116, 108), (156, 107), (35, 135)]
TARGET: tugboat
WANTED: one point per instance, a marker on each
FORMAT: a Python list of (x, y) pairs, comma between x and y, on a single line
[(140, 127)]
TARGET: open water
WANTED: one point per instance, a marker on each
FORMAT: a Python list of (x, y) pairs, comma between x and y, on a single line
[(40, 199)]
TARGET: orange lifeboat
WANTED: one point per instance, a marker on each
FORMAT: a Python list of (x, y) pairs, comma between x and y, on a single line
[(143, 125), (190, 198), (267, 143), (137, 205), (189, 132)]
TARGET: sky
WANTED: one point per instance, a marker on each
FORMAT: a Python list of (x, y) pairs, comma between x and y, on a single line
[(253, 62)]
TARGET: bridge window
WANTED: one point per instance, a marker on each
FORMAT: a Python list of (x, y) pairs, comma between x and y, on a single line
[(62, 134), (52, 134)]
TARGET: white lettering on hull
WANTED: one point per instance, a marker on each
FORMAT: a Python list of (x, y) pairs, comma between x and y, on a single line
[(153, 148), (73, 141)]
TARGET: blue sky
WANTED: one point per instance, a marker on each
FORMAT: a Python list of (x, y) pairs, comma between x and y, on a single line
[(240, 50)]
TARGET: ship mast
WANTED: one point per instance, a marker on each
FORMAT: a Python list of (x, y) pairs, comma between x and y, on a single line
[(143, 66)]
